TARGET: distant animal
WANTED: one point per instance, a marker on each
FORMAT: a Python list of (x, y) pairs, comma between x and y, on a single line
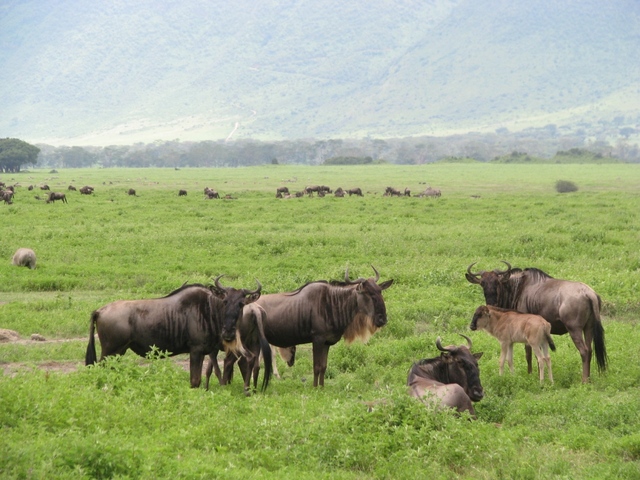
[(211, 193), (72, 188), (229, 197), (44, 187), (452, 379), (407, 192), (194, 319), (321, 313), (182, 193), (355, 191), (86, 190), (7, 196), (131, 192), (300, 194), (279, 195), (511, 327), (24, 257), (568, 306), (30, 187), (392, 192), (324, 189), (339, 192), (281, 191), (321, 193), (430, 192), (53, 196)]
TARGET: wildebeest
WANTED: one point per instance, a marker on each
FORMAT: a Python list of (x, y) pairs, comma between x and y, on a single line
[(452, 379), (339, 192), (24, 257), (208, 193), (86, 190), (355, 191), (281, 191), (321, 313), (392, 192), (182, 193), (430, 192), (194, 319), (511, 327), (300, 194), (7, 196), (131, 192), (568, 306), (407, 192), (53, 196), (44, 187), (311, 189), (30, 187), (324, 189), (72, 188)]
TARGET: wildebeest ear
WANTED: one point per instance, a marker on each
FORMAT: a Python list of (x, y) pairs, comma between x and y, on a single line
[(252, 298), (219, 293), (478, 355), (385, 285)]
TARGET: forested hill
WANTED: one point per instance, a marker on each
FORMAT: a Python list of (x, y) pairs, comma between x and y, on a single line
[(99, 73)]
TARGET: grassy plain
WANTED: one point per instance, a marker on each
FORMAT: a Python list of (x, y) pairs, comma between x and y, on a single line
[(128, 419)]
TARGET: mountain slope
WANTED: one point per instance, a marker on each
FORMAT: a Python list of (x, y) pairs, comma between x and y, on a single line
[(123, 72)]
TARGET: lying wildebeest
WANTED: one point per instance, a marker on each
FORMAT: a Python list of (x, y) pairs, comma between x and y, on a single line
[(24, 257), (131, 192), (511, 327), (182, 193), (430, 192), (321, 313), (452, 379), (72, 188), (194, 319), (392, 192), (30, 187), (7, 196), (53, 196), (281, 191), (568, 306), (355, 191), (44, 187), (300, 194), (86, 190), (339, 192)]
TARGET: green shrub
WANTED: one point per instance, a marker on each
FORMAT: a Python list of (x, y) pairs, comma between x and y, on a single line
[(565, 186)]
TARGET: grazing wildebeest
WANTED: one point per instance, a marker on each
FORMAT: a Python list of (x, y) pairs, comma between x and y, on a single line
[(182, 193), (86, 190), (208, 193), (511, 327), (568, 306), (131, 191), (194, 319), (72, 188), (452, 379), (44, 187), (53, 196), (24, 257), (311, 189), (392, 192), (281, 191), (355, 191), (321, 313), (324, 189), (7, 196)]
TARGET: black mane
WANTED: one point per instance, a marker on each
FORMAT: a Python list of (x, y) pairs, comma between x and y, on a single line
[(537, 274), (185, 286)]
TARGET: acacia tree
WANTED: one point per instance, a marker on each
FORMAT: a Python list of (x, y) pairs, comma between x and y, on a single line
[(14, 153)]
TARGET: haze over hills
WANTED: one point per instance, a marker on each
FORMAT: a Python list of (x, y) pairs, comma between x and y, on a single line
[(102, 73)]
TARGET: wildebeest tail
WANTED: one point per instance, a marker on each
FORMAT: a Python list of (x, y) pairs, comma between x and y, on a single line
[(90, 357), (552, 345), (265, 348), (598, 335)]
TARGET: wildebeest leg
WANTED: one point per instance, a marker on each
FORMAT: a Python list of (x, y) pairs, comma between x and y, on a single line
[(212, 366), (585, 353), (503, 356), (195, 366), (230, 360), (246, 367), (527, 352), (320, 354), (510, 357), (275, 363), (541, 362), (547, 360)]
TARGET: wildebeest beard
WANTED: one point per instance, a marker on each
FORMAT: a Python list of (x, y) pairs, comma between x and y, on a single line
[(361, 328), (234, 346)]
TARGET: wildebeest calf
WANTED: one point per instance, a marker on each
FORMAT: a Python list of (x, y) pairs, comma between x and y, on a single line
[(511, 327), (24, 257)]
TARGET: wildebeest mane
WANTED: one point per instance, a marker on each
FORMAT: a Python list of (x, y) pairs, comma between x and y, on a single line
[(536, 274), (434, 368), (299, 289), (185, 286)]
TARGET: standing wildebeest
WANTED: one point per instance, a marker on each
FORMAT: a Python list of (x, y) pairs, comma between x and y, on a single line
[(321, 313), (210, 194), (282, 191), (324, 189), (392, 192), (194, 319), (24, 257), (7, 196), (72, 188), (131, 192), (407, 192), (44, 187), (511, 327), (86, 190), (182, 193), (568, 306), (53, 196), (452, 379), (355, 191)]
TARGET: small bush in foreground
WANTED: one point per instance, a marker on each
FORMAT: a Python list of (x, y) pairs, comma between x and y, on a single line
[(565, 186)]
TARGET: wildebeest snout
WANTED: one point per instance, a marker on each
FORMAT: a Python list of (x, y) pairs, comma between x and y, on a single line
[(228, 334), (476, 394), (380, 320)]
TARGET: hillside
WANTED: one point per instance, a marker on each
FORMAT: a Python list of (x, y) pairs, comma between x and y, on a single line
[(98, 73)]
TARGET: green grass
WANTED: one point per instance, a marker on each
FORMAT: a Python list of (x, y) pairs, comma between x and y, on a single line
[(139, 419)]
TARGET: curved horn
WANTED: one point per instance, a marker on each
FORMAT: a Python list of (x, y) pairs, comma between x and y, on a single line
[(470, 272), (440, 347), (469, 342), (346, 276), (499, 272), (217, 282), (377, 274), (255, 291)]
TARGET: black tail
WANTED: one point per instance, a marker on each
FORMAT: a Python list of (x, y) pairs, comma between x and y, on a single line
[(552, 345), (265, 348), (598, 337), (90, 357)]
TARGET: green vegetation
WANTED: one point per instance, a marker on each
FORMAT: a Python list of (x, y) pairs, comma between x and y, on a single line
[(565, 186), (14, 153), (348, 161), (137, 418)]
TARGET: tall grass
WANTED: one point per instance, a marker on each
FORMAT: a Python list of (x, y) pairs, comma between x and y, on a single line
[(140, 419)]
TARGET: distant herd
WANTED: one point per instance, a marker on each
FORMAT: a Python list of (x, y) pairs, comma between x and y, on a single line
[(524, 306)]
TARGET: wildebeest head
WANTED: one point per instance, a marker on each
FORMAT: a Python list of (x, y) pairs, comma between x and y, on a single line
[(480, 318), (233, 301), (462, 366), (492, 282), (370, 296)]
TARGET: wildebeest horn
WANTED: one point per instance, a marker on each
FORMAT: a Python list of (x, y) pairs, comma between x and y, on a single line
[(346, 276), (470, 272), (377, 274), (505, 271), (246, 292), (469, 342), (217, 282), (441, 348)]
